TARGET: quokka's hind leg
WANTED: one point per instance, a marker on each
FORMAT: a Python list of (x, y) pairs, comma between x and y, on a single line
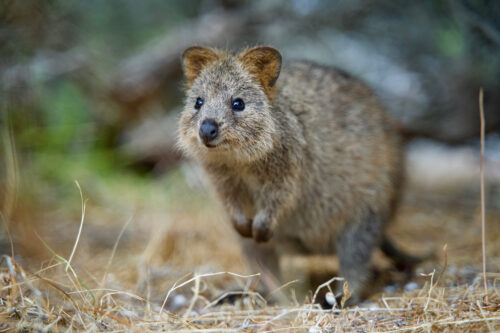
[(355, 245), (262, 259), (266, 258)]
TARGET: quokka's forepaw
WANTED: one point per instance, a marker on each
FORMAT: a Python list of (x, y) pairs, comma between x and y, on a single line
[(245, 230), (261, 229), (262, 235), (242, 225)]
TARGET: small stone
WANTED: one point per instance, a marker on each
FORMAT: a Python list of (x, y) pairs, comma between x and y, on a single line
[(330, 298), (178, 302), (128, 314), (390, 289), (411, 286)]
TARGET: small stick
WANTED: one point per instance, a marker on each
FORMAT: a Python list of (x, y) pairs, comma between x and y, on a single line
[(483, 219)]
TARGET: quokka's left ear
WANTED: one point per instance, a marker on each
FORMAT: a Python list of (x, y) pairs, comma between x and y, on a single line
[(194, 59), (264, 63)]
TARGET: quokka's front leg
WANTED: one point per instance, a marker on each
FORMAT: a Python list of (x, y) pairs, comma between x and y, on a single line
[(235, 197), (275, 198), (241, 223)]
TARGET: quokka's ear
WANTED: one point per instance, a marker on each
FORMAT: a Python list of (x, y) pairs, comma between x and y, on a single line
[(194, 59), (265, 63)]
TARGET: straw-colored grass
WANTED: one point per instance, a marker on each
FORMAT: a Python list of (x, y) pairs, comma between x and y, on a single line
[(33, 301)]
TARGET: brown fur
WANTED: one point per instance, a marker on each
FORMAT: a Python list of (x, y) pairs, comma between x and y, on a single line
[(195, 58), (264, 63), (311, 165)]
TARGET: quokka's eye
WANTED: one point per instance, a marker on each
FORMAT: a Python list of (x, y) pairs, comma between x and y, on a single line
[(199, 103), (238, 105)]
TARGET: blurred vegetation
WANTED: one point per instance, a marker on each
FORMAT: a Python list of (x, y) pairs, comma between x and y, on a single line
[(55, 57), (69, 71)]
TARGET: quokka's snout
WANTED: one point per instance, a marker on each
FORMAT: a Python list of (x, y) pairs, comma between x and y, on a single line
[(209, 132)]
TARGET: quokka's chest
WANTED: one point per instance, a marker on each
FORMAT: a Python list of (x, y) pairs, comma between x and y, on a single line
[(253, 183)]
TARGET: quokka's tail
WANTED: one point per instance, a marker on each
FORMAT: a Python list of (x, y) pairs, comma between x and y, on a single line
[(402, 260)]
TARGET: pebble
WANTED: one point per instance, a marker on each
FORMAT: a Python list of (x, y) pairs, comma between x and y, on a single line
[(330, 298), (129, 314), (178, 301), (410, 286), (390, 289)]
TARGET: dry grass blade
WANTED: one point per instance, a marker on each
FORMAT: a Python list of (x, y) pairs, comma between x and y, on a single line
[(346, 296), (483, 209), (445, 248), (80, 227), (279, 289), (68, 267), (6, 225), (12, 171), (113, 251)]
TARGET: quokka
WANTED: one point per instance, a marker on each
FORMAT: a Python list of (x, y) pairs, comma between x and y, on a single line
[(303, 156)]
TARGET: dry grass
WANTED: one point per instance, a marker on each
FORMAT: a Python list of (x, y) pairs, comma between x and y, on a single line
[(33, 301)]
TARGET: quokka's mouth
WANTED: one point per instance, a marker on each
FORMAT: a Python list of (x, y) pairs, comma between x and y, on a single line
[(214, 143), (217, 144)]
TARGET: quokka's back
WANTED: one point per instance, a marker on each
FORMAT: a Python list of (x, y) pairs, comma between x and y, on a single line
[(303, 156)]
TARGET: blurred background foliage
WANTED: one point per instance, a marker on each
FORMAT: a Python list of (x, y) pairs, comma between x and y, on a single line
[(91, 89)]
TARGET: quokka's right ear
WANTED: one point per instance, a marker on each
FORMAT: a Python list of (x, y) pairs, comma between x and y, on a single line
[(194, 59)]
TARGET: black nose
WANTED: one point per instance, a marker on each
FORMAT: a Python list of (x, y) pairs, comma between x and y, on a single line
[(208, 130)]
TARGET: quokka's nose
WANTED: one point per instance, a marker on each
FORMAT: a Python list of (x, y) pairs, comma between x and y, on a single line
[(208, 130)]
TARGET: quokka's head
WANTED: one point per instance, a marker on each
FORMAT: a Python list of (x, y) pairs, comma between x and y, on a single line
[(227, 113)]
